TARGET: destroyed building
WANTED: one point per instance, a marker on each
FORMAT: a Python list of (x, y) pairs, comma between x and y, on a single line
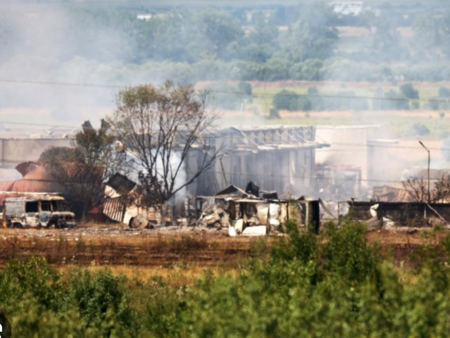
[(276, 158), (243, 212), (359, 157), (388, 215), (279, 160)]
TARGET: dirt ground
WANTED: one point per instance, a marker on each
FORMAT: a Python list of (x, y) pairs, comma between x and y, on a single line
[(117, 245), (158, 251)]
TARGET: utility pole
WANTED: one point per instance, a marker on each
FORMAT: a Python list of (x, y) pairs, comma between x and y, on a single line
[(429, 196)]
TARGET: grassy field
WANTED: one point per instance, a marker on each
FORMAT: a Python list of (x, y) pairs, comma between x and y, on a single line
[(343, 283), (400, 122)]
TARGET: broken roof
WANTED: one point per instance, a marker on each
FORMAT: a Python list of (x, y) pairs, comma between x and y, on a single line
[(269, 137), (36, 198), (233, 190), (121, 183)]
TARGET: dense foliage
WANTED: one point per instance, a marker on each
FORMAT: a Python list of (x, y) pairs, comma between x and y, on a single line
[(333, 285), (109, 45), (246, 43)]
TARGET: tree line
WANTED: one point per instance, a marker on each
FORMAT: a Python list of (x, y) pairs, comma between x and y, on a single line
[(299, 43)]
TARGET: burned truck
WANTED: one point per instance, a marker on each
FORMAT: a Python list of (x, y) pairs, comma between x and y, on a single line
[(37, 211)]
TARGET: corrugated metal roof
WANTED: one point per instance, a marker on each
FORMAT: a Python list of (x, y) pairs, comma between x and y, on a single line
[(35, 198)]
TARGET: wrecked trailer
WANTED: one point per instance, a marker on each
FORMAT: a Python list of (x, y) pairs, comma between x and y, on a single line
[(37, 211)]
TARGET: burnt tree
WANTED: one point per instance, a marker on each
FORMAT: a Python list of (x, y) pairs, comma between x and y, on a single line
[(417, 188)]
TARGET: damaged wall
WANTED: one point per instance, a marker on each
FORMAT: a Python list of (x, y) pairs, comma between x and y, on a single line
[(412, 214), (280, 158)]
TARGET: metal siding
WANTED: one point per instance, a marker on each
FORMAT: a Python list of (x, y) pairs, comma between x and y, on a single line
[(14, 208)]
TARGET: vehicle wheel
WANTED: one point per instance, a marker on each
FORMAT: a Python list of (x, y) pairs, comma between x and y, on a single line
[(17, 225)]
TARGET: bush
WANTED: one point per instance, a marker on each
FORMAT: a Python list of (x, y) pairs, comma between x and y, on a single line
[(99, 298), (433, 104), (394, 101), (419, 129), (409, 91), (307, 286), (246, 88), (286, 100), (274, 114), (444, 92)]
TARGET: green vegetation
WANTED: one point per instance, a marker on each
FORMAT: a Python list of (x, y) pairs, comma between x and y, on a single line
[(257, 43), (332, 285), (231, 46), (419, 129), (288, 100)]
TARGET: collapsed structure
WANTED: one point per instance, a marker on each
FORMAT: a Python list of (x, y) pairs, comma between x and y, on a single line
[(247, 213), (276, 158), (387, 215), (282, 162)]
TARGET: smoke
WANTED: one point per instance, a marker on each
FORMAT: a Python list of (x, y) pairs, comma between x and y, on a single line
[(43, 47), (55, 43)]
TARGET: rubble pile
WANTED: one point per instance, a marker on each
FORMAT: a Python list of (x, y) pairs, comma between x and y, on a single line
[(245, 213)]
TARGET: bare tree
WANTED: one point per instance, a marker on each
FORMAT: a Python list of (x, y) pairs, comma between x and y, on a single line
[(418, 189), (160, 127), (83, 169)]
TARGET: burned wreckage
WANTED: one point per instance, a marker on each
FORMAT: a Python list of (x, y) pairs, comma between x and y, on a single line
[(37, 211), (279, 158), (274, 163), (244, 212), (389, 215)]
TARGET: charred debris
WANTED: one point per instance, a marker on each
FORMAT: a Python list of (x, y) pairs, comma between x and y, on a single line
[(276, 165), (250, 212)]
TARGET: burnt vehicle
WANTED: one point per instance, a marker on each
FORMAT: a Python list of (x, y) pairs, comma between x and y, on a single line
[(37, 211)]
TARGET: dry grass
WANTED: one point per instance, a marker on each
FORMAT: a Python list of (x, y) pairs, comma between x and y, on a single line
[(184, 274), (182, 257), (116, 247)]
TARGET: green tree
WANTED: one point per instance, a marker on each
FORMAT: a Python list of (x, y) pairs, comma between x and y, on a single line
[(265, 30), (312, 35), (290, 100), (394, 100), (83, 170), (262, 41), (386, 43), (432, 35), (220, 28), (161, 126), (409, 91)]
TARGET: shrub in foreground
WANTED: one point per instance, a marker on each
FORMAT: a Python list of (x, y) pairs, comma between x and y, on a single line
[(333, 285)]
